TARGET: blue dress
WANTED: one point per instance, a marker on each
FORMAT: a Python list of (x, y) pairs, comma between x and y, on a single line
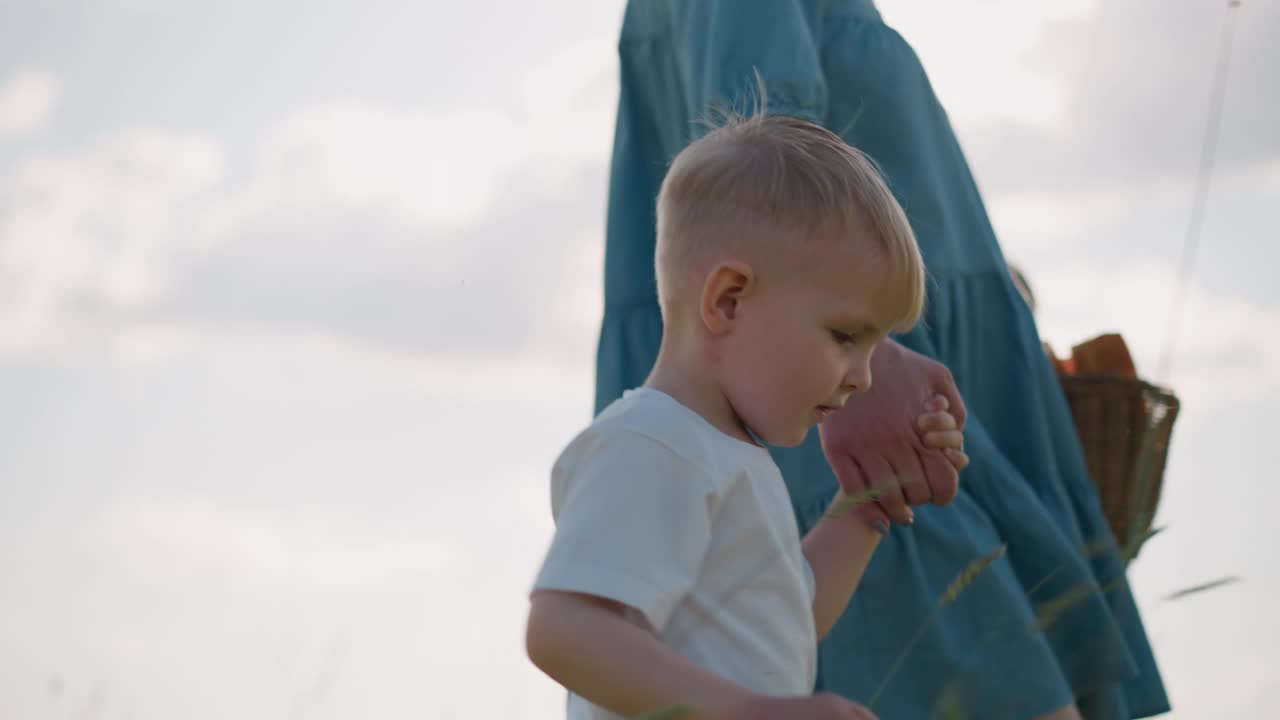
[(1048, 623)]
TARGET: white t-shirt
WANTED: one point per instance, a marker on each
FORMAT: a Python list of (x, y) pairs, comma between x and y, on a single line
[(659, 510)]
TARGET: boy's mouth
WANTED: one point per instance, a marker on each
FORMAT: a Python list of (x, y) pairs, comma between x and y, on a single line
[(824, 411)]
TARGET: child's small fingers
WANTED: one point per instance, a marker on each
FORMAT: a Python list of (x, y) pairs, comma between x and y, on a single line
[(957, 457), (943, 439), (937, 403), (936, 421)]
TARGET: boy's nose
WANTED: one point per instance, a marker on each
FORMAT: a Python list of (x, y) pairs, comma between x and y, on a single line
[(858, 379)]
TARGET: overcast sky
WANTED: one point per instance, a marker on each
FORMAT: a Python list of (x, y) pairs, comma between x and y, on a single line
[(298, 302)]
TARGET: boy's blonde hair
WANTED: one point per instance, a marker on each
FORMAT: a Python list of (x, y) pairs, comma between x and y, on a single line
[(773, 178)]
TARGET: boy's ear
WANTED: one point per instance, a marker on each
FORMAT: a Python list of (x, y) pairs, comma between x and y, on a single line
[(725, 286)]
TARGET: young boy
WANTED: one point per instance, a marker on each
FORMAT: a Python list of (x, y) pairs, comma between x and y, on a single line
[(676, 576)]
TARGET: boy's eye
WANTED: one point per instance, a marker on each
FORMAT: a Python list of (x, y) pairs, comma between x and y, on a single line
[(843, 338)]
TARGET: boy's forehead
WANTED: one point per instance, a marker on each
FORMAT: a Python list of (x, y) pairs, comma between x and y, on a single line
[(853, 308), (822, 253), (858, 293), (842, 261)]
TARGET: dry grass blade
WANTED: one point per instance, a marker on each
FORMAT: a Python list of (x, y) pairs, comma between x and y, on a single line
[(1101, 544), (671, 712), (950, 707), (1047, 613), (969, 574), (1098, 546), (957, 586), (1137, 541), (1195, 589), (852, 502)]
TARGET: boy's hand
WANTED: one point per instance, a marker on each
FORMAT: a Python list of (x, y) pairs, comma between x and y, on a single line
[(939, 431), (823, 706)]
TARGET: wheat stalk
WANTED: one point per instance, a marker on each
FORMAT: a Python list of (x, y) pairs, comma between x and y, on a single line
[(950, 706), (670, 712), (969, 574), (957, 586), (852, 502)]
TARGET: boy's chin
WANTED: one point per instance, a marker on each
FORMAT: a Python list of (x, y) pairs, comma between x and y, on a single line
[(794, 439)]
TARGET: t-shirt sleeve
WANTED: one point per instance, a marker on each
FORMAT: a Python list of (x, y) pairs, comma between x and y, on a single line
[(632, 523), (722, 44)]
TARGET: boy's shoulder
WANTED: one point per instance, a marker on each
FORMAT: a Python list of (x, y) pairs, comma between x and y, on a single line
[(648, 417)]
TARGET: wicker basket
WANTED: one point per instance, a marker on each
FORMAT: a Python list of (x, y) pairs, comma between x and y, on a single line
[(1125, 426)]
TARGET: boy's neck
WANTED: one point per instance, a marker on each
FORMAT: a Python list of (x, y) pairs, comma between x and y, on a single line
[(686, 375)]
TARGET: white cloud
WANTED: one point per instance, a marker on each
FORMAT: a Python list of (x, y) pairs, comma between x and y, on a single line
[(435, 171), (95, 228), (425, 169), (1154, 213), (1116, 226), (1270, 177), (993, 83), (27, 101), (1035, 218), (1134, 79), (570, 101), (135, 240), (207, 543), (464, 377), (1223, 355)]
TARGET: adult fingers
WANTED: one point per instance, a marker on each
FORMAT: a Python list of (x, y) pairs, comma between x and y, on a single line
[(854, 711), (856, 490), (882, 479), (906, 465), (838, 708), (860, 713)]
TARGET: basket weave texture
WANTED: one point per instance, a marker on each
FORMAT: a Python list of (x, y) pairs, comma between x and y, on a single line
[(1125, 426)]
